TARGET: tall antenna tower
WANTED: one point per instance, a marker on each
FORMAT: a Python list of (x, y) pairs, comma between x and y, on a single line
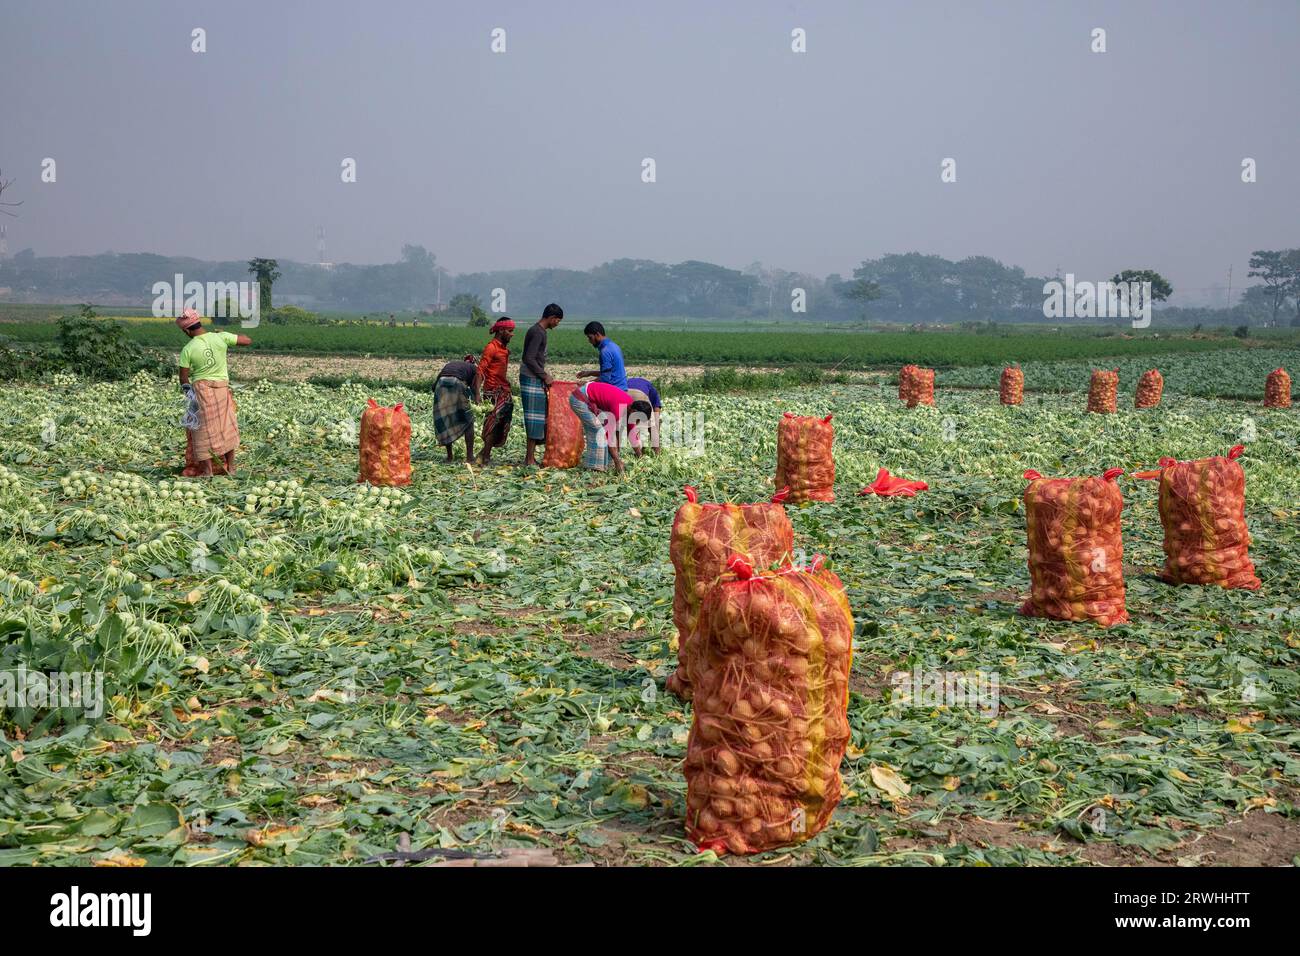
[(320, 245), (1230, 287), (4, 242)]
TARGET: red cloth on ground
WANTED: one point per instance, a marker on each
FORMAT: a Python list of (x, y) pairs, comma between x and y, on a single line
[(891, 486)]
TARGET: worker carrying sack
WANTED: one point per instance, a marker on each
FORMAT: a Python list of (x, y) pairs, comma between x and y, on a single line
[(1150, 387), (804, 463), (770, 659), (1076, 552), (1203, 510), (1103, 392), (564, 440), (704, 537), (1011, 390), (385, 445)]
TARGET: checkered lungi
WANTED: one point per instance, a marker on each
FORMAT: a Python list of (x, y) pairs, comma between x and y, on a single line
[(532, 391), (218, 430), (452, 415), (595, 453)]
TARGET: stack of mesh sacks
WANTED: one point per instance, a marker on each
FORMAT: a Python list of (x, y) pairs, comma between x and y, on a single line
[(1151, 387), (1076, 552), (1011, 390), (770, 662), (385, 445), (804, 461), (1103, 392), (1203, 510), (705, 537), (916, 385), (1277, 389)]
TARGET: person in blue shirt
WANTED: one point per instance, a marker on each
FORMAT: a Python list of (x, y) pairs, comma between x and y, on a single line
[(611, 370)]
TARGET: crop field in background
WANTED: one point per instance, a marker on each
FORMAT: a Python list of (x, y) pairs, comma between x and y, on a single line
[(479, 662), (832, 349)]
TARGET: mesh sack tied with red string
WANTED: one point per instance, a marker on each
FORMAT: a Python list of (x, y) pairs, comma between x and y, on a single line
[(1151, 386), (385, 445), (1203, 510), (704, 537), (1277, 389), (1011, 389), (565, 441), (1103, 391), (804, 462), (770, 659), (1076, 551)]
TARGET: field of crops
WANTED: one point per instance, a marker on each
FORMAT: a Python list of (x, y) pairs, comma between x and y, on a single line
[(845, 350), (303, 672), (1237, 373)]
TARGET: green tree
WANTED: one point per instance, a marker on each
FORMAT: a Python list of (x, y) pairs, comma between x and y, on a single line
[(266, 271), (1160, 287), (469, 305), (1280, 270)]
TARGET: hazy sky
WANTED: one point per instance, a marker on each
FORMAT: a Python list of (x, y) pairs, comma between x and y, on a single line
[(1092, 162)]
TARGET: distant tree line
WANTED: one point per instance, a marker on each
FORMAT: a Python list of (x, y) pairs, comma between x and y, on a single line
[(896, 288)]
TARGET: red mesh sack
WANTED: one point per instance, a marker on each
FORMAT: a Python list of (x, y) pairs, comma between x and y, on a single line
[(770, 659), (1151, 386), (1011, 390), (704, 537), (804, 463), (1203, 510), (1277, 389), (385, 445), (1076, 552), (1103, 392), (916, 385), (193, 467), (564, 439)]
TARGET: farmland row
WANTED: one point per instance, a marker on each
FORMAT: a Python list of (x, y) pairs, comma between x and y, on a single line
[(845, 350)]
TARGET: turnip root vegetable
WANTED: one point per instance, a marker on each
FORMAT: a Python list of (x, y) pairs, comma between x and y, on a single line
[(1203, 509), (1076, 553), (771, 712), (704, 537)]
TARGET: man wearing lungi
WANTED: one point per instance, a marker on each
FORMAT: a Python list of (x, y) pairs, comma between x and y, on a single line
[(496, 388), (457, 383), (206, 380), (534, 380)]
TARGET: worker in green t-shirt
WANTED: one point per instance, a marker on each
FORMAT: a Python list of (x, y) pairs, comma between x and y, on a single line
[(205, 378)]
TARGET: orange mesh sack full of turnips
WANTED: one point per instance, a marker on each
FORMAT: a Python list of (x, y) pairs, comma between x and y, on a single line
[(1011, 390), (704, 537), (565, 442), (385, 445), (1277, 389), (804, 463), (1076, 552), (1203, 510), (1103, 391), (916, 385), (770, 660), (1151, 386)]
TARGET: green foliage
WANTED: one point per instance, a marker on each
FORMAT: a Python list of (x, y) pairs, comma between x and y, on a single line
[(841, 349), (100, 349), (305, 679), (292, 315), (469, 305), (266, 271)]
